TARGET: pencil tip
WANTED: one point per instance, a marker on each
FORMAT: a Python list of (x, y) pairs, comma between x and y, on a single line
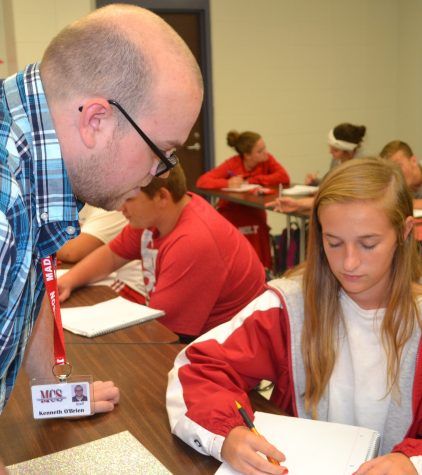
[(238, 405)]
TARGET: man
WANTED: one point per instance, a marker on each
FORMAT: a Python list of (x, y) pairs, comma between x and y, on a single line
[(79, 394), (69, 134), (402, 154), (197, 266)]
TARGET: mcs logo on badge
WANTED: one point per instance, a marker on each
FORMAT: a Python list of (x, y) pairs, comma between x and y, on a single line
[(51, 395)]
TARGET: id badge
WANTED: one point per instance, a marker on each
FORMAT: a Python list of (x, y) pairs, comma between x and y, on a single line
[(70, 398)]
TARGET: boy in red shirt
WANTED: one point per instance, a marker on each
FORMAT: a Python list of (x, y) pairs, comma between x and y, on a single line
[(197, 267)]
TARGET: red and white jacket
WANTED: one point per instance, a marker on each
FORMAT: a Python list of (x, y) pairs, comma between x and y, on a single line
[(263, 342)]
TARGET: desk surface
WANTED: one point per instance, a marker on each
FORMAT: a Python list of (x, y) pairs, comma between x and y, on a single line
[(248, 198), (245, 198), (139, 368), (140, 371)]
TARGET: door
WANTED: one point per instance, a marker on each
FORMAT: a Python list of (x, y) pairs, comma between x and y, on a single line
[(190, 18)]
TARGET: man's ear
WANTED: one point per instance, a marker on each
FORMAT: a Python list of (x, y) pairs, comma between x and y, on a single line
[(95, 117)]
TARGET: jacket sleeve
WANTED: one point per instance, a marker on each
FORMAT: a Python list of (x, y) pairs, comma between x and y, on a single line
[(223, 366), (412, 444), (216, 178), (273, 174), (409, 447)]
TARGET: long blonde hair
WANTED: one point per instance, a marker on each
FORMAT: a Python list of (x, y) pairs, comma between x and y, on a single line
[(370, 180)]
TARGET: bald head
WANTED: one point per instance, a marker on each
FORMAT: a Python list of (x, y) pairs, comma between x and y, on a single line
[(130, 55), (122, 52)]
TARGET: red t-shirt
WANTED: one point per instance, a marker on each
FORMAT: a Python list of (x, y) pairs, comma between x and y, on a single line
[(201, 274)]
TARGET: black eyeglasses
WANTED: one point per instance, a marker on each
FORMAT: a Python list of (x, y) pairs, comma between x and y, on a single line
[(166, 163)]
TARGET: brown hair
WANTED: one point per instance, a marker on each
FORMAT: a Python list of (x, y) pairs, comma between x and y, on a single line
[(365, 180), (242, 143), (394, 146), (175, 183), (350, 133)]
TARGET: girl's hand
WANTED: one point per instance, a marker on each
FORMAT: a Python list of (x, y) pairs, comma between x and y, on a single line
[(291, 205), (311, 179), (240, 452), (389, 464), (236, 181)]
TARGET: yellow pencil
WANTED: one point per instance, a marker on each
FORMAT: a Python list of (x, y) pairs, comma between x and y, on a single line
[(251, 426)]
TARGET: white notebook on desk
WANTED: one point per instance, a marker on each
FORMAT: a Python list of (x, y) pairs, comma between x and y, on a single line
[(106, 317), (315, 447), (242, 188), (298, 190)]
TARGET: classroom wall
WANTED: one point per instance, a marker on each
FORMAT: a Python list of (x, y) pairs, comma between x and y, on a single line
[(36, 22), (290, 70), (409, 73), (293, 70)]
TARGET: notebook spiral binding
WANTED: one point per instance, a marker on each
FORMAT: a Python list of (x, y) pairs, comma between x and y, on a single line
[(373, 447)]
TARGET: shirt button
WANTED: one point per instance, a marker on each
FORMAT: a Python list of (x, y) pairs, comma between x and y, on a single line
[(70, 230), (44, 216)]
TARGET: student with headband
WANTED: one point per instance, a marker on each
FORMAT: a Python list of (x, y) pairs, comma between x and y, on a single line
[(344, 141)]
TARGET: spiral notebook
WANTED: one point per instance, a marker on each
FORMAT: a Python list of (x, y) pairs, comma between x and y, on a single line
[(106, 317), (315, 447)]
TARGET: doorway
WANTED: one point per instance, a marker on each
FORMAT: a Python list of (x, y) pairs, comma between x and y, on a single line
[(191, 20)]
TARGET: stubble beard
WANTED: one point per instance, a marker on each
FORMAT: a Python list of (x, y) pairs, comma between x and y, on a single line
[(90, 180)]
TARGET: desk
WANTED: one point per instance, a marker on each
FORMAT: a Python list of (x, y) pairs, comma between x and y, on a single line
[(259, 201), (140, 370)]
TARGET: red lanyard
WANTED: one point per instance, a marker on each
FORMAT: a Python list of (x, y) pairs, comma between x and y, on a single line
[(48, 265)]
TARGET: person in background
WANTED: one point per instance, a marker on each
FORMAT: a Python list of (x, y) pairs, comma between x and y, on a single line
[(252, 164), (197, 267), (344, 142), (401, 153), (99, 227), (68, 137), (339, 336)]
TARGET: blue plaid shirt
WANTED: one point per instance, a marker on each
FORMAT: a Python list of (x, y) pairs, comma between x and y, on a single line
[(38, 212)]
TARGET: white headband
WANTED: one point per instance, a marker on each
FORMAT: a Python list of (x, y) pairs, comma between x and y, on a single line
[(340, 144)]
